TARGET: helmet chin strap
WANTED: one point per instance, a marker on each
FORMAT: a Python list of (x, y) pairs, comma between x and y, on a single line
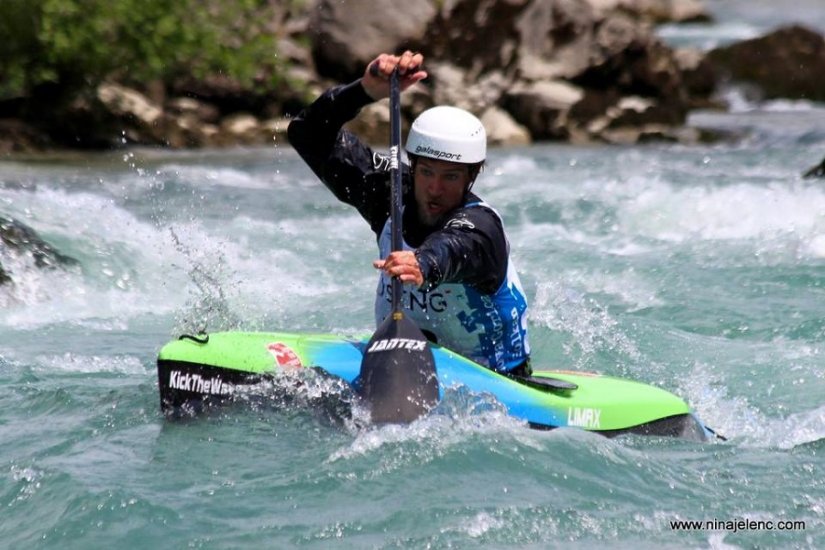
[(475, 170), (468, 189)]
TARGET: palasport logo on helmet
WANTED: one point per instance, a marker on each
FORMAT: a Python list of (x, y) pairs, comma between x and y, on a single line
[(435, 153)]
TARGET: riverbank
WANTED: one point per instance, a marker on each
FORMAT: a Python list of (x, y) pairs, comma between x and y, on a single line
[(593, 71)]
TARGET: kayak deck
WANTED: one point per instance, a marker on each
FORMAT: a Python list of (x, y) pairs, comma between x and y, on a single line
[(197, 370)]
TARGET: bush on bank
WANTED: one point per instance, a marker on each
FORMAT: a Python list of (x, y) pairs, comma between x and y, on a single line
[(70, 45)]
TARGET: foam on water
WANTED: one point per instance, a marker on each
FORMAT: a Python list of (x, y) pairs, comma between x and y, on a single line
[(460, 416), (80, 364), (123, 261), (767, 216), (132, 266), (739, 211), (591, 327), (216, 176), (741, 421)]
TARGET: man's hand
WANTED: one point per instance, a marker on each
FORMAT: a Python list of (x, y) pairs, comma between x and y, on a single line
[(402, 264), (376, 79)]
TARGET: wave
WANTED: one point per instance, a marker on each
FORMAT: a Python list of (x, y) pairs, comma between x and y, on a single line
[(733, 212), (692, 201), (743, 423)]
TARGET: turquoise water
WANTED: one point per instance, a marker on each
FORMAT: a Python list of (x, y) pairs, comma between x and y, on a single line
[(699, 269)]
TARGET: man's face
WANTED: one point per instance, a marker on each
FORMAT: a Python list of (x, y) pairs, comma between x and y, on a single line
[(439, 187)]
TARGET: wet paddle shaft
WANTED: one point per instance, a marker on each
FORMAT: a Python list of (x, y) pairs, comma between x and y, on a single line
[(396, 199), (397, 379)]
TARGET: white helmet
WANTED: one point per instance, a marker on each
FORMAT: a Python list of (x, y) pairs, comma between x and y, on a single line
[(448, 133)]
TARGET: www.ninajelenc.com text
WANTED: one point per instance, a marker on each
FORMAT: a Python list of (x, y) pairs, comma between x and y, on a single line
[(737, 525)]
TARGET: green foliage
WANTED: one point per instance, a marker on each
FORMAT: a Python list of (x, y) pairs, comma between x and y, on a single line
[(76, 43)]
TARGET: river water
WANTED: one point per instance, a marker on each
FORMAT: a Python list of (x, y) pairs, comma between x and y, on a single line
[(700, 269)]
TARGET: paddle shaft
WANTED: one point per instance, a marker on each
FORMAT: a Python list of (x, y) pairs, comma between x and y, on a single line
[(396, 198), (397, 379)]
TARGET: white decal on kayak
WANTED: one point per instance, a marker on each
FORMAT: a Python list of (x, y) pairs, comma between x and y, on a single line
[(397, 343), (199, 384), (584, 418)]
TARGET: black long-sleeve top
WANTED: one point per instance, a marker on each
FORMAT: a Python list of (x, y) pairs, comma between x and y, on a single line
[(469, 245)]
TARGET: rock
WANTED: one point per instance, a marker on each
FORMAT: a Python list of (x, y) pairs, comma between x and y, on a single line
[(628, 57), (555, 39), (448, 84), (125, 102), (18, 239), (629, 135), (502, 129), (17, 136), (227, 94), (276, 129), (293, 52), (155, 91), (373, 124), (242, 128), (130, 114), (787, 63), (451, 86), (416, 100), (185, 130), (698, 75), (203, 111), (817, 171), (348, 35), (559, 63), (211, 134), (543, 107), (477, 35), (630, 112)]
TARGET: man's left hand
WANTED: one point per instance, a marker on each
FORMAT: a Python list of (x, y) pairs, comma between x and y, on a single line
[(402, 264)]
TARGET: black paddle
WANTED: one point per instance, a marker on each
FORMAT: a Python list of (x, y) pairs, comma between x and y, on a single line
[(398, 379)]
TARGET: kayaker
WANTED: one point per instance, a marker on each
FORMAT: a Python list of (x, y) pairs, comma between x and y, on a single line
[(460, 287)]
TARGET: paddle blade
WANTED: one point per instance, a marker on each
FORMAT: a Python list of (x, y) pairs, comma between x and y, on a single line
[(398, 378)]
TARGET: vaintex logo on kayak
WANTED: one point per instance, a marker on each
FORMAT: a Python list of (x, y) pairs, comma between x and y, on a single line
[(199, 384), (397, 343)]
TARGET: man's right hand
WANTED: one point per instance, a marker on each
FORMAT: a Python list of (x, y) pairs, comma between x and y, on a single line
[(376, 79)]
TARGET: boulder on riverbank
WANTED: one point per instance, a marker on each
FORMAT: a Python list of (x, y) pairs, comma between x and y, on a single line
[(571, 70), (786, 63), (561, 69)]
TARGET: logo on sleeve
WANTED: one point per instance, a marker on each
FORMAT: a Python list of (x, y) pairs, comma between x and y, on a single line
[(380, 162), (460, 223)]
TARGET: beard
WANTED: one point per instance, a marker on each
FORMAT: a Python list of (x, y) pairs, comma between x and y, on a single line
[(428, 219)]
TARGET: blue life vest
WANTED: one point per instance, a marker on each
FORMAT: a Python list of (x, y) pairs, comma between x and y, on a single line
[(490, 329)]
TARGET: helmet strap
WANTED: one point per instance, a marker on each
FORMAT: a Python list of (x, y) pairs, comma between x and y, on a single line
[(474, 171)]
